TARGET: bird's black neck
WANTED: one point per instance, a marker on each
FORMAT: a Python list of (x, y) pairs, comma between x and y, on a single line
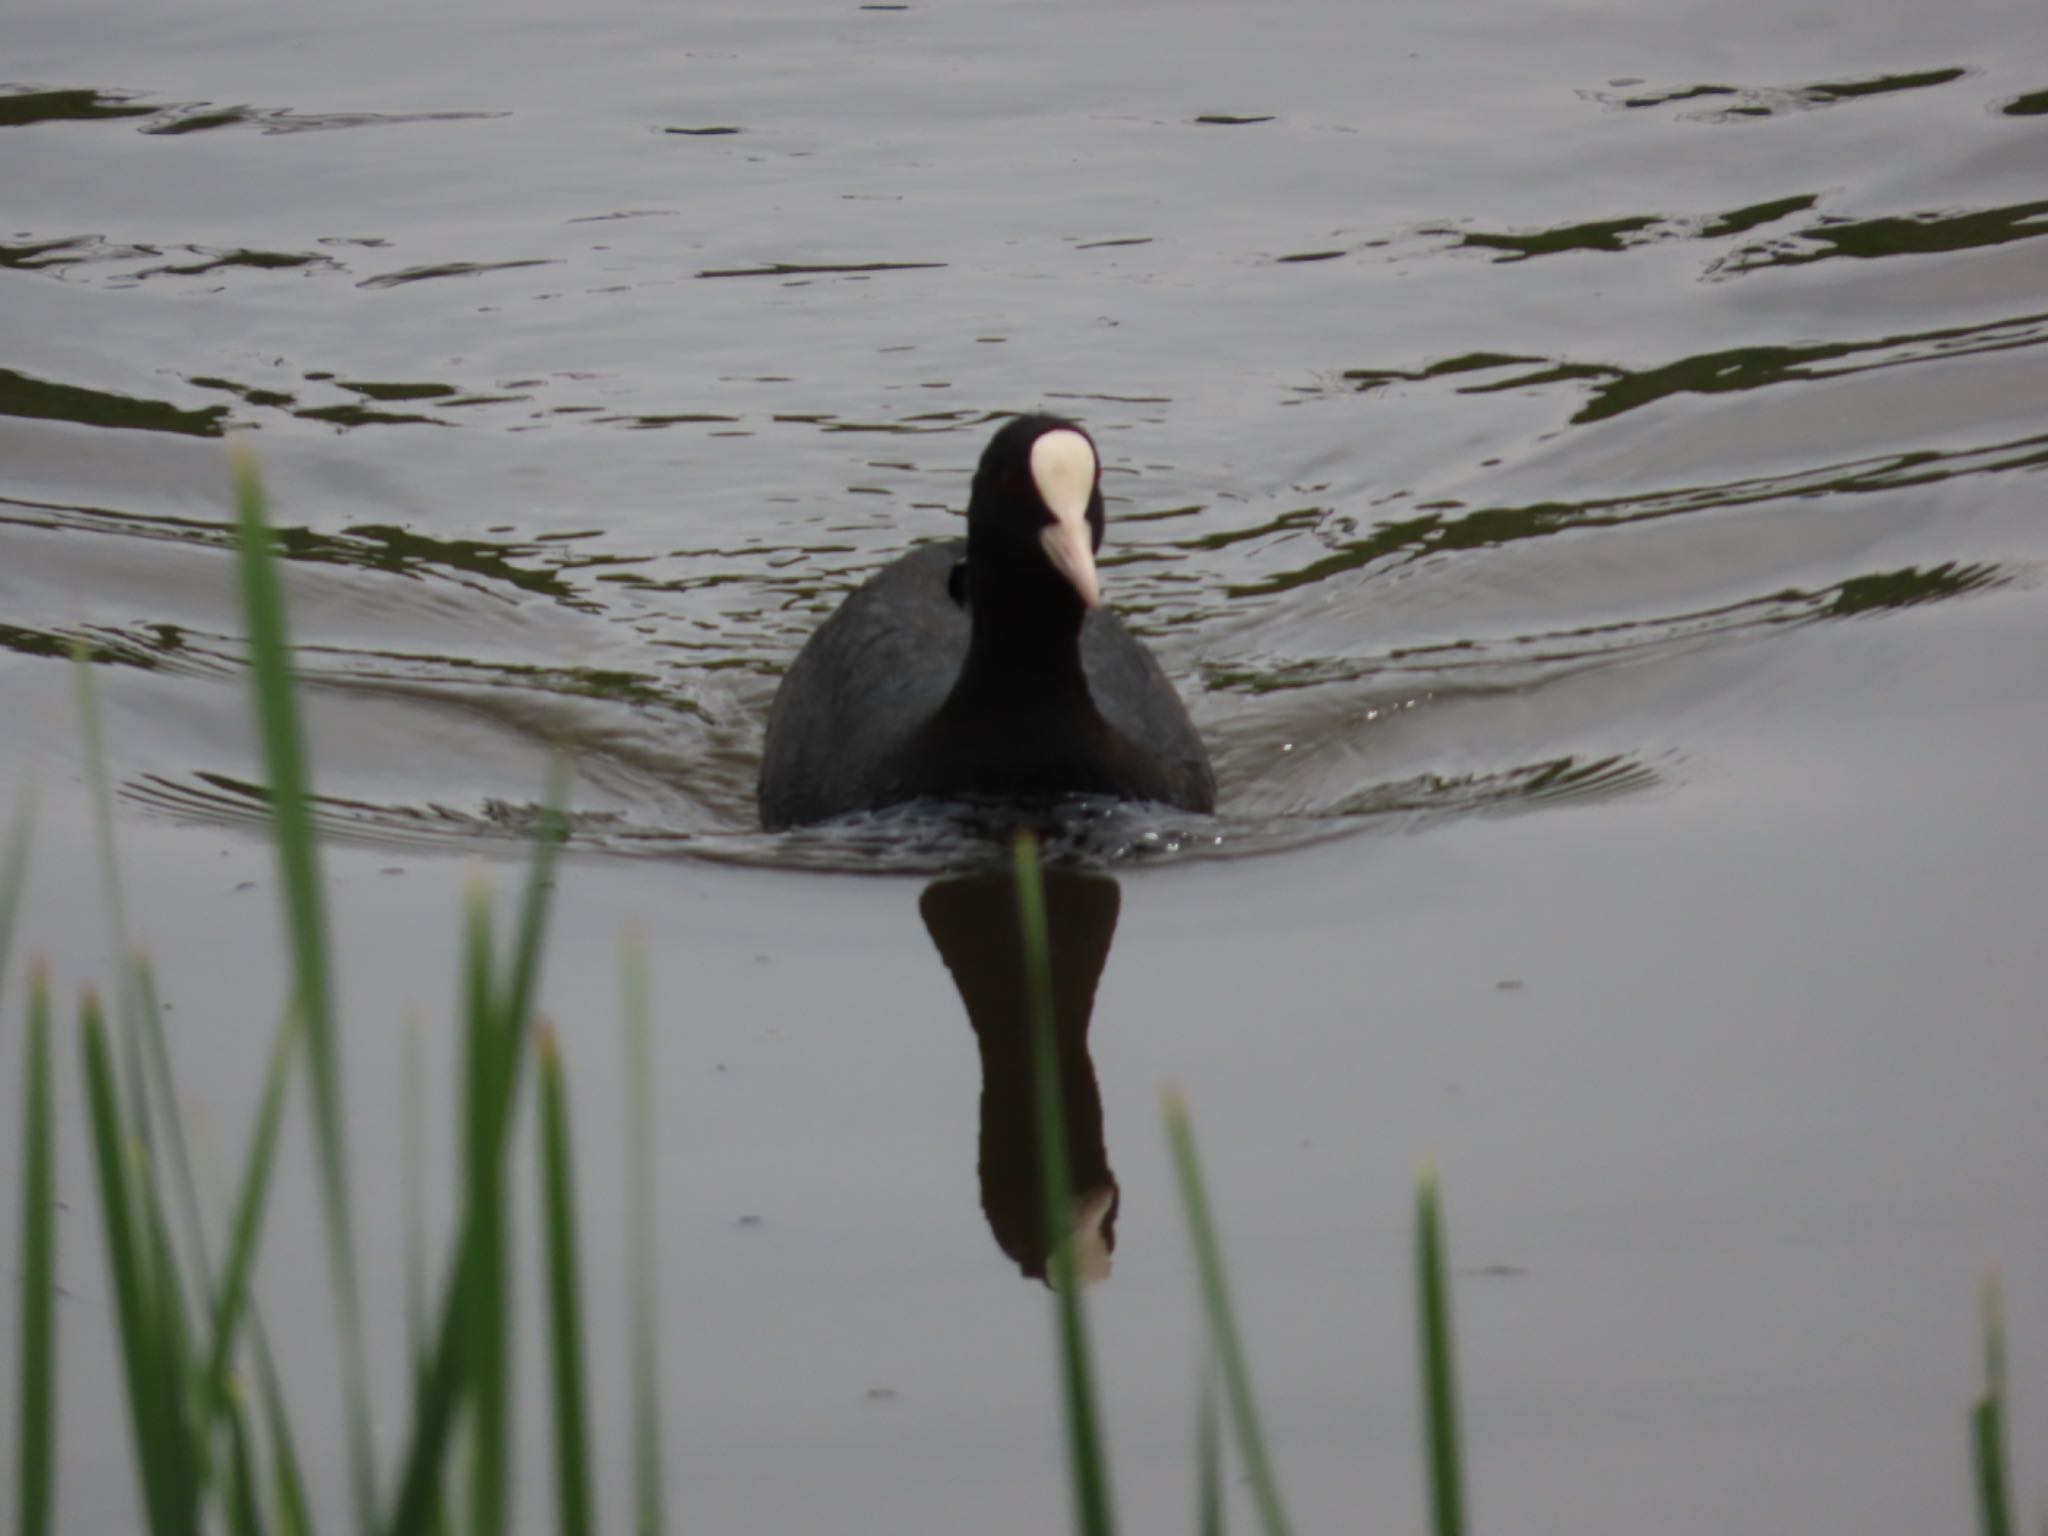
[(1025, 650)]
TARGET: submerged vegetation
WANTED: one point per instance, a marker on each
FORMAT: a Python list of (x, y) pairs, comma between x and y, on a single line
[(214, 1447)]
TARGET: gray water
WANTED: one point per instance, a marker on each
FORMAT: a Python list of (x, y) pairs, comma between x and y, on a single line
[(1580, 465)]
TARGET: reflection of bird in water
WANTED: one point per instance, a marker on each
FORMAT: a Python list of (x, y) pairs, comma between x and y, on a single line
[(973, 921)]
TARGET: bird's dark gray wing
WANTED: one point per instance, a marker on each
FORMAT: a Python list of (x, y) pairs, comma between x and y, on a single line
[(1133, 694), (872, 673)]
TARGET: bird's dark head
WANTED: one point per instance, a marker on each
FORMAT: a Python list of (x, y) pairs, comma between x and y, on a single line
[(1036, 512)]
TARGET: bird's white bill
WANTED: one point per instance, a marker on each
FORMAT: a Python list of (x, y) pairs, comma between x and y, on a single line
[(1066, 546), (1063, 468)]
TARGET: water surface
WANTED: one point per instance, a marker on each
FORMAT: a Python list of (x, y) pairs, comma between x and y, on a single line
[(1581, 467)]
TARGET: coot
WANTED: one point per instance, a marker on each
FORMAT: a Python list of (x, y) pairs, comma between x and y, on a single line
[(987, 668)]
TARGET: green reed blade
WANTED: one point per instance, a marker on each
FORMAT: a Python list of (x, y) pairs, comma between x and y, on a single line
[(442, 1387), (283, 739), (486, 1313), (169, 1330), (1208, 1456), (148, 1024), (439, 1394), (1987, 1436), (574, 1497), (150, 1095), (1223, 1336), (1087, 1451), (14, 872), (470, 1334), (245, 1517), (149, 1397), (36, 1406), (503, 1020), (647, 1478), (1440, 1416), (290, 1511), (494, 1037), (548, 838), (412, 1156), (146, 1077), (482, 1050), (100, 797), (158, 1090), (232, 1294), (1987, 1420)]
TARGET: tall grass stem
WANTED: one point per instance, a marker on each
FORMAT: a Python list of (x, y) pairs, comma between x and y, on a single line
[(36, 1401), (292, 1513), (573, 1493), (1444, 1456), (412, 1156), (1208, 1454), (648, 1496), (232, 1295), (1987, 1420), (486, 1312), (1223, 1334), (100, 795), (154, 1417), (466, 1363), (14, 855), (282, 735)]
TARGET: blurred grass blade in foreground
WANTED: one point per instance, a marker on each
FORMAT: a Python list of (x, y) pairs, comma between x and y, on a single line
[(1087, 1451), (468, 1363), (573, 1494), (231, 1299), (153, 1120), (1223, 1336), (14, 873), (1987, 1421), (486, 1311), (1443, 1453), (646, 1337), (1208, 1456), (412, 1158), (298, 858), (128, 1009), (293, 1512), (152, 1370), (36, 1404)]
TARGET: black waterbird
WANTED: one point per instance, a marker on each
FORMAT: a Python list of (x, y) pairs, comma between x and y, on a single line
[(988, 669)]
